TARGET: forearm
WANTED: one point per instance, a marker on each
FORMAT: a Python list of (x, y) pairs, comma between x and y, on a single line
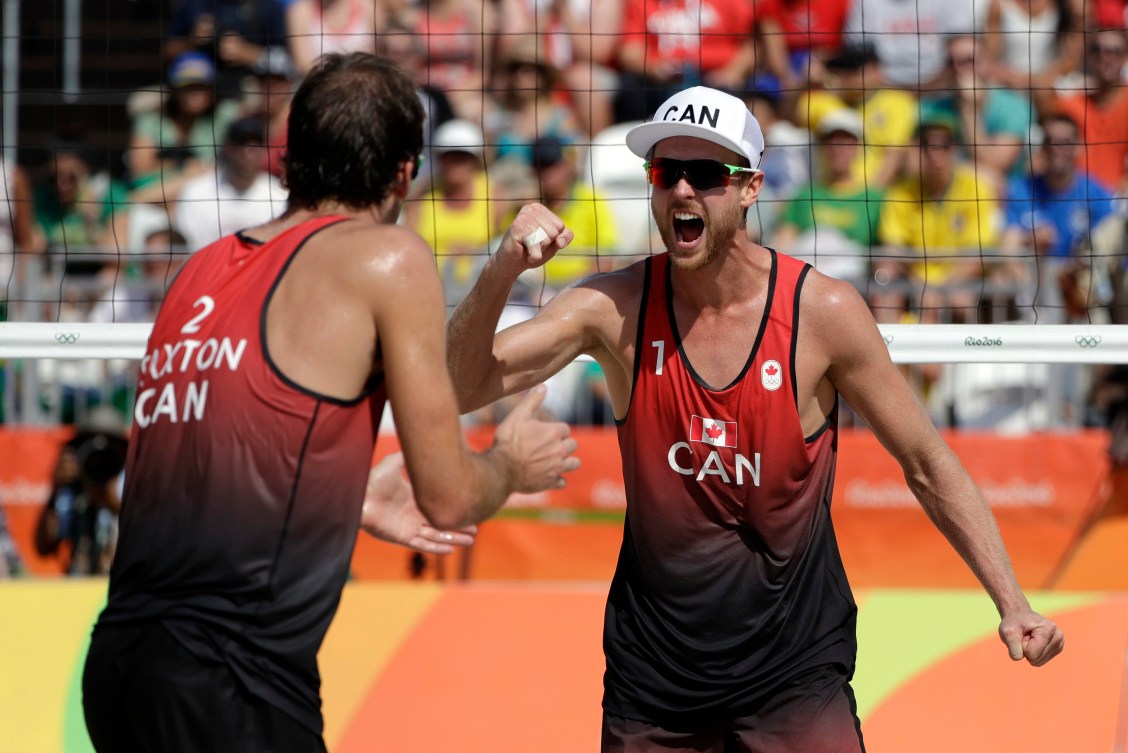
[(957, 508), (470, 334)]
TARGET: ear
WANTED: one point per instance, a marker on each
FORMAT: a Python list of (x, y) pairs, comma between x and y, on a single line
[(401, 184), (750, 191)]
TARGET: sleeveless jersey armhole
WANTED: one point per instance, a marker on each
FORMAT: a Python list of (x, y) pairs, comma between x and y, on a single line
[(832, 417), (640, 335), (370, 384)]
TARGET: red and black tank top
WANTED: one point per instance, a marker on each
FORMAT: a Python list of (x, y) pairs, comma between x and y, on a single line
[(729, 578), (243, 490)]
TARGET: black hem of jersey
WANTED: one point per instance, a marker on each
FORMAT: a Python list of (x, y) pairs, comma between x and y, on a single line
[(647, 264), (293, 495), (755, 346), (370, 385), (242, 235), (795, 331), (826, 424)]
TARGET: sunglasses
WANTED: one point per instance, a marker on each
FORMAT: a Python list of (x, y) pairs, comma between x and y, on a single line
[(702, 174), (416, 167)]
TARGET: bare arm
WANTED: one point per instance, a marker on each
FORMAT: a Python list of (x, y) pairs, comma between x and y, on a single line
[(485, 368), (453, 486), (299, 20), (858, 364)]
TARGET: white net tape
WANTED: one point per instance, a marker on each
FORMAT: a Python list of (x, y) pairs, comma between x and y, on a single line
[(908, 343)]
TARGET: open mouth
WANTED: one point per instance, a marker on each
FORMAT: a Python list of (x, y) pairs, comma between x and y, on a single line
[(688, 227)]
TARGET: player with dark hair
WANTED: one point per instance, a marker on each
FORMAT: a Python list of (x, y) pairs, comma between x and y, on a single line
[(730, 625), (256, 417)]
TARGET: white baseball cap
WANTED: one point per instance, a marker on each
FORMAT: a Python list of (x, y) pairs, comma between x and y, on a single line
[(458, 136), (702, 113), (843, 119)]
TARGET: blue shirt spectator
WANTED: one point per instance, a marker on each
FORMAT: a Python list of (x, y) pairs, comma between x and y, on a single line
[(1071, 212)]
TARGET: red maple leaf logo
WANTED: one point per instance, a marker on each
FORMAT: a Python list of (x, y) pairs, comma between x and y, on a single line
[(713, 431), (771, 370)]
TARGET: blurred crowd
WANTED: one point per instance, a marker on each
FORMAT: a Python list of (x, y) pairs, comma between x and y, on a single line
[(957, 160)]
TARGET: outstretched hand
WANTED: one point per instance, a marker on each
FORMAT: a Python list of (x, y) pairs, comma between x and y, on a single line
[(1028, 635), (534, 237), (540, 452), (390, 513)]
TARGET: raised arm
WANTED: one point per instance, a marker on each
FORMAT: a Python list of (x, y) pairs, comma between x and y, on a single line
[(453, 486), (858, 364)]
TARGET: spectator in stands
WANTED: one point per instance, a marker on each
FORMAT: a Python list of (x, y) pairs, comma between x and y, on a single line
[(236, 195), (180, 140), (137, 296), (233, 33), (81, 514), (994, 120), (1101, 110), (581, 38), (670, 46), (461, 213), (403, 45), (77, 212), (942, 220), (909, 37), (1048, 217), (787, 154), (812, 29), (317, 27), (457, 48), (556, 166), (19, 233), (855, 78), (832, 221), (10, 563), (1035, 43), (268, 97), (528, 109)]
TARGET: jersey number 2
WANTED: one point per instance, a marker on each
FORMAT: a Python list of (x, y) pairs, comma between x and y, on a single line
[(193, 325)]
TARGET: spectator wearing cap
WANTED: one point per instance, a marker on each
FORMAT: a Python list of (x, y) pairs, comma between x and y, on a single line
[(1101, 110), (832, 221), (182, 138), (995, 120), (462, 211), (909, 36), (233, 33), (669, 46), (555, 164), (854, 79), (235, 196), (528, 109), (943, 221)]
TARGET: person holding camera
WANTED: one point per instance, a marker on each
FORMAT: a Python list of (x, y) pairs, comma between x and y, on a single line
[(81, 515)]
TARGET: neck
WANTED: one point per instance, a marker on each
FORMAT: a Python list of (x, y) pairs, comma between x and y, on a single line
[(1059, 180), (736, 275)]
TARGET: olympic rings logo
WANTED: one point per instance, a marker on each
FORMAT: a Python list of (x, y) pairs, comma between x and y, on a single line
[(67, 338), (1088, 341)]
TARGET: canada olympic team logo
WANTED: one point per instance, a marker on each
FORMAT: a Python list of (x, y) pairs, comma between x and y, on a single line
[(771, 375)]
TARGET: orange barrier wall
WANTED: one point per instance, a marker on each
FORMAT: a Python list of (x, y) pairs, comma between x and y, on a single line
[(1043, 489)]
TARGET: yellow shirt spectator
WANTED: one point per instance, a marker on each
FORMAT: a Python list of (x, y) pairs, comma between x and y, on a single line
[(458, 231), (964, 221), (889, 118)]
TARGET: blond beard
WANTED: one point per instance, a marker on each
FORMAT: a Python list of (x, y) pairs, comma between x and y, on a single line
[(722, 231)]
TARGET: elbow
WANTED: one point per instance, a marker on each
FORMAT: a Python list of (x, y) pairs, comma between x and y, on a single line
[(446, 509)]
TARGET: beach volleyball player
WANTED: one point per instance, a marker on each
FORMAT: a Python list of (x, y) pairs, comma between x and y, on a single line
[(730, 625), (257, 410)]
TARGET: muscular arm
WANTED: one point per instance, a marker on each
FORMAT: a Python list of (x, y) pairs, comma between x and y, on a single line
[(581, 319), (453, 486), (858, 364)]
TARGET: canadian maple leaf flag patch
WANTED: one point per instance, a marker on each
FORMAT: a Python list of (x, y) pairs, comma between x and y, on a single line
[(771, 375), (712, 431)]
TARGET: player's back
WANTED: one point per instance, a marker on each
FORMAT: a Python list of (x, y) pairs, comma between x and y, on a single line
[(243, 488)]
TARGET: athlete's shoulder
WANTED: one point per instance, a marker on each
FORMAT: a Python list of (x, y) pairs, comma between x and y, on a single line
[(355, 246)]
